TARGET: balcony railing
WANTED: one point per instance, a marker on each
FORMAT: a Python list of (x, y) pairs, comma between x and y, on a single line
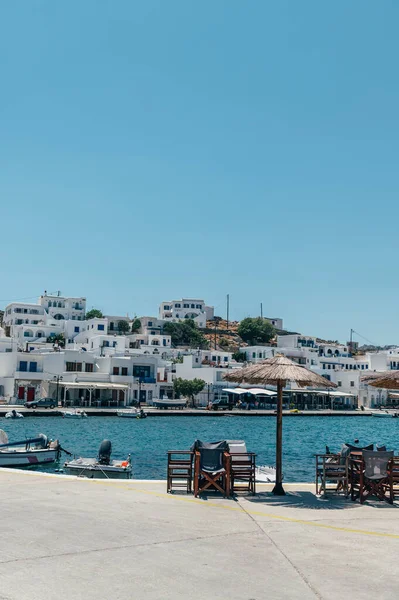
[(145, 379)]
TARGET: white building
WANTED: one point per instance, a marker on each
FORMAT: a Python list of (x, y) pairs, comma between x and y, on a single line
[(29, 322), (63, 308), (276, 322), (97, 367), (91, 377), (186, 308), (210, 366), (334, 362)]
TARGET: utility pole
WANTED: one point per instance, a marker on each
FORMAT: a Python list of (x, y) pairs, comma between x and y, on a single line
[(228, 306), (261, 310), (215, 333), (351, 342)]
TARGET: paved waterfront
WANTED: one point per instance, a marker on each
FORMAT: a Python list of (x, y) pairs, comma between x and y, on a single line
[(93, 540), (187, 412)]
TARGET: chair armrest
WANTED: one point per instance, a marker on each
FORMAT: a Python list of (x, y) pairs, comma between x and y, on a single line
[(242, 453)]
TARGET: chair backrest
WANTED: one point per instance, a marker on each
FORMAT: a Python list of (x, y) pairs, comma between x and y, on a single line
[(347, 449), (376, 463), (238, 447), (211, 454)]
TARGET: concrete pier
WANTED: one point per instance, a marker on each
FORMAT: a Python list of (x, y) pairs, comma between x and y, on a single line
[(79, 539)]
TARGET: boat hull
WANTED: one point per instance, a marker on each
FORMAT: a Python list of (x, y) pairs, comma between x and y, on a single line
[(23, 458), (127, 414), (69, 415), (265, 474), (383, 415), (93, 472)]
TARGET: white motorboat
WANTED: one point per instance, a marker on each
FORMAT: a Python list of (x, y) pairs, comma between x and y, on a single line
[(34, 451), (238, 450), (13, 414), (265, 474), (131, 413), (102, 467), (74, 414), (383, 414)]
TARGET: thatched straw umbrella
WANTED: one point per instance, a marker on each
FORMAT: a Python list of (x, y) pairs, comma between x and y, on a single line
[(277, 371), (387, 380)]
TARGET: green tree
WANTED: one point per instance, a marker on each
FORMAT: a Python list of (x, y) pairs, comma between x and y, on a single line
[(240, 356), (123, 327), (256, 331), (136, 325), (58, 339), (188, 388), (94, 313), (185, 333)]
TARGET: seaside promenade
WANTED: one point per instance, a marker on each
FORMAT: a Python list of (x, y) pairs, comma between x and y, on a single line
[(78, 539), (187, 412)]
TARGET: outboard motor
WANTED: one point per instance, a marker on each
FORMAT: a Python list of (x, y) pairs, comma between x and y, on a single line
[(43, 440), (104, 453)]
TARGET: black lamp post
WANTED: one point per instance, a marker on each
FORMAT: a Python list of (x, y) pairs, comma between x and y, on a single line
[(57, 378)]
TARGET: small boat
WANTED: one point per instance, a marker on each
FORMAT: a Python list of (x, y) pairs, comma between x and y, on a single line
[(33, 451), (131, 413), (265, 474), (74, 414), (13, 414), (383, 414), (101, 467)]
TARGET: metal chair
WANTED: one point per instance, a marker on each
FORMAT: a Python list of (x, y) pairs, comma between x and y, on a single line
[(211, 467), (372, 476)]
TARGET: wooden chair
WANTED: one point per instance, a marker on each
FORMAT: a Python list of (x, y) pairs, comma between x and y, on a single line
[(372, 475), (394, 472), (242, 467), (180, 470), (211, 468), (332, 469)]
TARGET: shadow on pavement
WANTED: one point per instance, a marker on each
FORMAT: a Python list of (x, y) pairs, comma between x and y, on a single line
[(304, 500)]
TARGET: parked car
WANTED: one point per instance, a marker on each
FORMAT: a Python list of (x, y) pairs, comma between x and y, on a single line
[(41, 403), (222, 403)]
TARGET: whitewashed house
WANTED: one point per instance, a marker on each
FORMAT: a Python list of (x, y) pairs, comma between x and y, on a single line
[(186, 308)]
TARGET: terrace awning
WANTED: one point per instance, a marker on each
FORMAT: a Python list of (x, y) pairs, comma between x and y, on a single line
[(335, 393), (261, 391), (253, 391), (94, 385)]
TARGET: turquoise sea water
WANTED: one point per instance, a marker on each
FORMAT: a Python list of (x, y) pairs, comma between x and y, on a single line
[(147, 440)]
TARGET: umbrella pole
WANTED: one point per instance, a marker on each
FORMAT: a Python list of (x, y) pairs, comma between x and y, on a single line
[(278, 489)]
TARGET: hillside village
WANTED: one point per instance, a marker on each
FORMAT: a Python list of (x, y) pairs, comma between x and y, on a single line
[(56, 347)]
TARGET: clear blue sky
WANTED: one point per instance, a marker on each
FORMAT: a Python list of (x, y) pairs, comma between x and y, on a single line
[(156, 149)]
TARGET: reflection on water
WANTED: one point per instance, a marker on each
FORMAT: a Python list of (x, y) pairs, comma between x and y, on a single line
[(147, 440)]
